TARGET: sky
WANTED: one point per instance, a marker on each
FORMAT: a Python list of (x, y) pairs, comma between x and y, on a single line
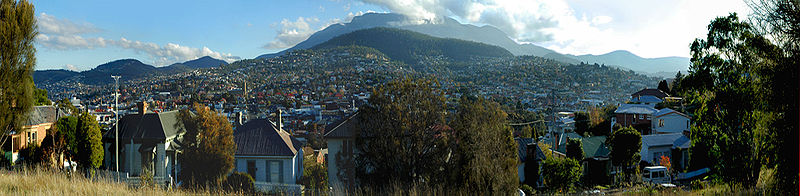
[(79, 35)]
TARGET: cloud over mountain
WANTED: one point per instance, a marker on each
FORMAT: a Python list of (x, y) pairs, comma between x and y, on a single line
[(63, 34)]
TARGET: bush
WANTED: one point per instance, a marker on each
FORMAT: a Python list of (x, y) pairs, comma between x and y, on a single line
[(527, 189), (239, 182), (561, 174)]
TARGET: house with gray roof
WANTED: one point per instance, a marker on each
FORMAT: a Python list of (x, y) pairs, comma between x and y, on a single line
[(40, 119), (637, 115), (670, 121), (148, 141), (269, 154), (675, 146), (341, 136)]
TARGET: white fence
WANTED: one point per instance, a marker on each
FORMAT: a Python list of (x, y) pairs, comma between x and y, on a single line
[(287, 189)]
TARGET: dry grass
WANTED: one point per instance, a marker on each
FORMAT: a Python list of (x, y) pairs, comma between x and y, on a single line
[(45, 182)]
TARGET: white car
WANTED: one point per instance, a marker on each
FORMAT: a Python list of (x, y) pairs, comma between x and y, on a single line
[(656, 175)]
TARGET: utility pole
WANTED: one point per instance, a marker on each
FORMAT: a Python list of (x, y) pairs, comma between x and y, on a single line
[(116, 123)]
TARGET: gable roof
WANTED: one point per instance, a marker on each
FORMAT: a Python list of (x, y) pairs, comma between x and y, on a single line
[(635, 109), (344, 128), (44, 114), (660, 139), (646, 99), (595, 147), (260, 137), (666, 111), (650, 91), (148, 127), (522, 149)]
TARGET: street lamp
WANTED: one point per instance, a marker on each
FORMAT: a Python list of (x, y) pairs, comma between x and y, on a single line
[(116, 122)]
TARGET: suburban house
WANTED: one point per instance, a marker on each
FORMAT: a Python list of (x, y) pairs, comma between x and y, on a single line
[(596, 160), (270, 155), (675, 146), (341, 140), (647, 100), (40, 119), (650, 92), (637, 115), (530, 155), (148, 142), (670, 121)]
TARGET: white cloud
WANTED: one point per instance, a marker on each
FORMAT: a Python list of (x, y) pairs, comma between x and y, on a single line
[(650, 29), (62, 34), (291, 33), (70, 67)]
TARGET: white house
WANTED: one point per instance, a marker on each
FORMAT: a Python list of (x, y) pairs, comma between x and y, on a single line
[(657, 145), (341, 140), (148, 142), (670, 121), (270, 155)]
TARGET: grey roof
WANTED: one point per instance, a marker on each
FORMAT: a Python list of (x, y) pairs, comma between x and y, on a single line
[(44, 114), (635, 109), (682, 142), (260, 137), (649, 91), (667, 111), (522, 149), (148, 127), (646, 99), (660, 139), (344, 128)]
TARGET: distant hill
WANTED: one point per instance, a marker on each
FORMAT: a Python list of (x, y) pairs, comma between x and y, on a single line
[(202, 62), (450, 28), (407, 46), (127, 68)]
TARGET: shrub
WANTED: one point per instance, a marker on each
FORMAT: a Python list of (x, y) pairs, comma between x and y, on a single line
[(561, 174), (239, 182)]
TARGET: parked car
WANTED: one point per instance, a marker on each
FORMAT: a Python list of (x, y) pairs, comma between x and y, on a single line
[(656, 175)]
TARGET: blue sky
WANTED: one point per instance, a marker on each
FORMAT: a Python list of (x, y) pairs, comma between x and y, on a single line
[(80, 35)]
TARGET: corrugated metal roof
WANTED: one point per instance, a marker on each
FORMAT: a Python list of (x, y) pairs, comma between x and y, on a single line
[(660, 139), (635, 109), (595, 146), (260, 137), (149, 127), (344, 128)]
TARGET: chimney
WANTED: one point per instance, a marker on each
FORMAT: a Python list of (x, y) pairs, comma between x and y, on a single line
[(142, 106)]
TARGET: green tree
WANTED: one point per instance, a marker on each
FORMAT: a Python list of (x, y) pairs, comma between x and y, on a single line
[(40, 97), (400, 139), (208, 145), (575, 149), (66, 135), (527, 132), (17, 60), (485, 150), (582, 122), (561, 174), (664, 86), (625, 144), (315, 177), (89, 142)]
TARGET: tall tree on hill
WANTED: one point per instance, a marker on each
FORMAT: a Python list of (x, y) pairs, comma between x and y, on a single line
[(664, 86), (485, 151), (89, 142), (575, 149), (208, 145), (582, 122), (17, 60), (625, 144), (401, 138)]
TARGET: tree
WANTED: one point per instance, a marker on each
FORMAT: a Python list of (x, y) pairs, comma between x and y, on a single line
[(208, 145), (17, 60), (664, 86), (485, 151), (40, 97), (315, 176), (89, 142), (625, 144), (401, 138), (582, 122), (664, 161), (561, 174), (575, 149), (527, 132)]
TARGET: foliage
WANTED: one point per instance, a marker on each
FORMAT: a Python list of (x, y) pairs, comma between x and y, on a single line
[(89, 142), (239, 182), (66, 135), (561, 174), (664, 161), (527, 132), (625, 144), (400, 138), (664, 86), (32, 154), (485, 153), (739, 83), (315, 175), (40, 97), (575, 149), (582, 123), (17, 60), (528, 190), (207, 144)]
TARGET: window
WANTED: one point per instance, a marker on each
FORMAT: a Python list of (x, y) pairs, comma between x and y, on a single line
[(660, 122), (687, 124), (274, 172)]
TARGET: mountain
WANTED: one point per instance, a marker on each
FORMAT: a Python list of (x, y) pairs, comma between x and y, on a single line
[(127, 68), (202, 62), (450, 28), (407, 46)]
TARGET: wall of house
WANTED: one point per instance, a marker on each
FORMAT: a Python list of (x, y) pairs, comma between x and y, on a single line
[(133, 159), (648, 154), (334, 147), (673, 123), (290, 168)]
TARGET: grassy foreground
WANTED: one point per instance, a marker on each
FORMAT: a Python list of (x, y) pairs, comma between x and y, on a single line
[(45, 182)]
